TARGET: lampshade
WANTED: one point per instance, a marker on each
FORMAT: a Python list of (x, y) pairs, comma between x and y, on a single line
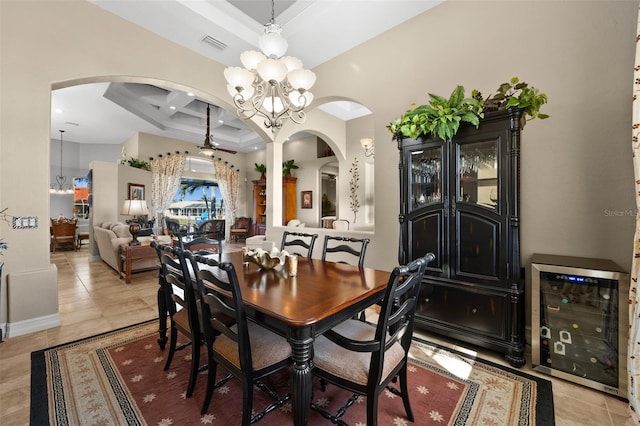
[(251, 58), (238, 77), (271, 42), (367, 145), (366, 142), (301, 79), (292, 63), (209, 151), (134, 208), (273, 104), (272, 70)]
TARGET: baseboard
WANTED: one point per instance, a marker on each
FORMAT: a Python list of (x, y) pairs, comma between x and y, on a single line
[(32, 325)]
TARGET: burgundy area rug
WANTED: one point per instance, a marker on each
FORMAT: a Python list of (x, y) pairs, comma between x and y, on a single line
[(118, 378)]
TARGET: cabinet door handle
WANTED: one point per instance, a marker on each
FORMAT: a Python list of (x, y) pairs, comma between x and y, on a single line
[(474, 311), (446, 206)]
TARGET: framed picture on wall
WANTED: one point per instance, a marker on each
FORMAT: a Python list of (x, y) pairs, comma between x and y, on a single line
[(307, 199), (136, 191)]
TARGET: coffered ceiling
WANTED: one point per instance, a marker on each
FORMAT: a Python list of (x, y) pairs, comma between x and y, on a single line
[(316, 31)]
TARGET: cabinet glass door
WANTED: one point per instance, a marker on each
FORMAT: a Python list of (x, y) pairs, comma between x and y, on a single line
[(478, 174), (425, 184)]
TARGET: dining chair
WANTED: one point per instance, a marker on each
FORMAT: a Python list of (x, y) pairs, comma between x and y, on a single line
[(202, 245), (340, 224), (182, 305), (298, 240), (63, 233), (212, 228), (364, 358), (247, 350), (335, 248)]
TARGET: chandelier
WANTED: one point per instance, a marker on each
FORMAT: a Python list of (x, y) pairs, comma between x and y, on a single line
[(60, 179), (270, 85), (208, 148)]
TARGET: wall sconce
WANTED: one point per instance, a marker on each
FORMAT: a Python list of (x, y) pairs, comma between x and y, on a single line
[(367, 145)]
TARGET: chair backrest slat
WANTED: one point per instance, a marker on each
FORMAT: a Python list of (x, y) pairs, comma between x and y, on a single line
[(296, 240), (334, 245), (202, 245)]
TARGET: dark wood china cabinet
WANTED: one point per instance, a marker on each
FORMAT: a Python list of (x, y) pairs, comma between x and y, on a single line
[(460, 201)]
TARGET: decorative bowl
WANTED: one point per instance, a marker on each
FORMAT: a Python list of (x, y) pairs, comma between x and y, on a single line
[(262, 259)]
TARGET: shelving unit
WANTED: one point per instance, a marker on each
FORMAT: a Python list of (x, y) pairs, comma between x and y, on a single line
[(260, 202), (260, 206)]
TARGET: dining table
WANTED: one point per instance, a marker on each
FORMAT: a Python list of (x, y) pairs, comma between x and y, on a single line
[(300, 307)]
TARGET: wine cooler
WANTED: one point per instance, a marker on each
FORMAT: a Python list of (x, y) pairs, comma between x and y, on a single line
[(579, 323)]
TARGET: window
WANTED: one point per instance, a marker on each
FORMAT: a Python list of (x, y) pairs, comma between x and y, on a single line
[(196, 200)]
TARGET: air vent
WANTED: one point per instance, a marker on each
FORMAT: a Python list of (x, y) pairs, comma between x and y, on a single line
[(214, 42)]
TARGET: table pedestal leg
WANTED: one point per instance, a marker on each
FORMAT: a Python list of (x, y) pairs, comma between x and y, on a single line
[(301, 380)]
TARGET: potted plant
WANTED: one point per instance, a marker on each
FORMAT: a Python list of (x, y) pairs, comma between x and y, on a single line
[(287, 166), (442, 117), (260, 168), (518, 94), (138, 164)]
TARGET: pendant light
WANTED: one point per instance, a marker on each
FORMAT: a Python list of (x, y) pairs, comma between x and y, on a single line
[(60, 179)]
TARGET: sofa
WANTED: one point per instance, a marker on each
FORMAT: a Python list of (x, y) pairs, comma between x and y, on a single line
[(109, 236)]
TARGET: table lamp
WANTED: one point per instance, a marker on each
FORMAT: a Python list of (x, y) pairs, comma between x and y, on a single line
[(134, 208)]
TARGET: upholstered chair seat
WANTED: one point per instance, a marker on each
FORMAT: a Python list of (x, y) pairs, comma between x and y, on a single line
[(267, 348), (351, 365)]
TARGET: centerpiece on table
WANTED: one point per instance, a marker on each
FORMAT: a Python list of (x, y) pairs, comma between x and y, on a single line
[(265, 259)]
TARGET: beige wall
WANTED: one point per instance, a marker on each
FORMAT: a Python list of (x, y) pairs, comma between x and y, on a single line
[(577, 179)]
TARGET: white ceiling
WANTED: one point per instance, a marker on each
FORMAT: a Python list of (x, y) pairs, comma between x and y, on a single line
[(316, 31)]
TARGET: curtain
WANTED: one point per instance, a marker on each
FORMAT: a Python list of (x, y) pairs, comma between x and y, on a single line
[(229, 184), (633, 357), (166, 175)]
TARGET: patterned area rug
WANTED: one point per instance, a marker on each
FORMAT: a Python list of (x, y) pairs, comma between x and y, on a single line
[(118, 378)]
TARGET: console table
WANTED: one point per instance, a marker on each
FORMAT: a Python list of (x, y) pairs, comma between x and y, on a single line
[(131, 254)]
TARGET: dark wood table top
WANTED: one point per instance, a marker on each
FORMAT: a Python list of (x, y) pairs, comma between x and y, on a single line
[(318, 291)]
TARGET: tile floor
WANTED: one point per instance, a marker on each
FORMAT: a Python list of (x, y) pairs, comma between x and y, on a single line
[(93, 300)]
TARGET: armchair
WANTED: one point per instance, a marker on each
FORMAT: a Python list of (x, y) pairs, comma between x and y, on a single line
[(241, 228)]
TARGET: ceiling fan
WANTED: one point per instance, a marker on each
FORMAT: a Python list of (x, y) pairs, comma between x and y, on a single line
[(208, 148)]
